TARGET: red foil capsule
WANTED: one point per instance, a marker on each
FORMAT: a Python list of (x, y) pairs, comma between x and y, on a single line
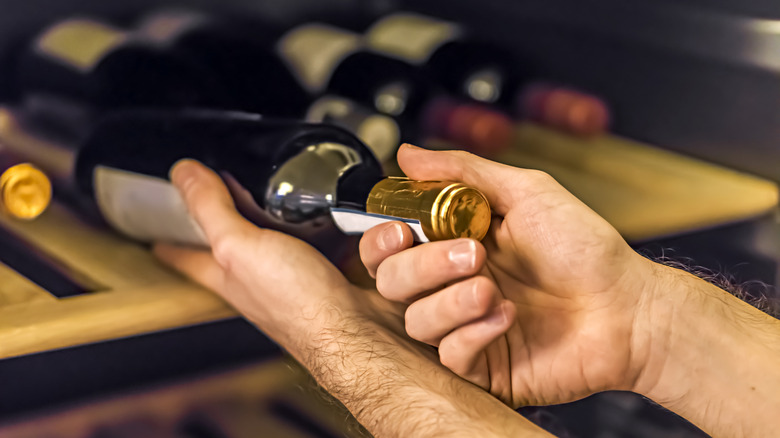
[(566, 109), (475, 127)]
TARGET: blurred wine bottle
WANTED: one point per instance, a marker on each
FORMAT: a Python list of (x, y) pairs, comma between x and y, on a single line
[(286, 175), (25, 191), (485, 72), (77, 68), (240, 54), (464, 65), (564, 108), (324, 58)]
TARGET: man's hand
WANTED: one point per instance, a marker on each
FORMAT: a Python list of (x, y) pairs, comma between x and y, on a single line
[(349, 338), (543, 311), (586, 313)]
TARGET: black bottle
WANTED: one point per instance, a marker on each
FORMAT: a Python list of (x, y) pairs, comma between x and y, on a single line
[(240, 53), (328, 58), (463, 64), (85, 66), (291, 176)]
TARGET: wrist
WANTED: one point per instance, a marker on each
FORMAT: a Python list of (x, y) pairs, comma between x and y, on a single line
[(395, 386), (708, 356)]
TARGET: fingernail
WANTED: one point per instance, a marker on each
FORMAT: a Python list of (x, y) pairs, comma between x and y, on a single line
[(410, 146), (182, 173), (498, 318), (464, 255), (391, 237)]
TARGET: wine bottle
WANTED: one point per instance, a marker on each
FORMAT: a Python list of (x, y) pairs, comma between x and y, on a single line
[(564, 108), (324, 57), (282, 174), (81, 62), (463, 64), (468, 66), (240, 53)]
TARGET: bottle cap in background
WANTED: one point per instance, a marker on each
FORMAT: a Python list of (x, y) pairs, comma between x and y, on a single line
[(476, 127), (566, 109), (25, 191)]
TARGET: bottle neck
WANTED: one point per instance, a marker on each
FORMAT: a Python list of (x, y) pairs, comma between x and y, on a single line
[(55, 159), (355, 186)]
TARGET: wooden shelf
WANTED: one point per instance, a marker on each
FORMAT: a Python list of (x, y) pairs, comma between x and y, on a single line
[(139, 295), (645, 192)]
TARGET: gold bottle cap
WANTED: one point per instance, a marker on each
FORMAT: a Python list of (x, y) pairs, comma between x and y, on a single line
[(25, 191), (460, 211), (445, 209)]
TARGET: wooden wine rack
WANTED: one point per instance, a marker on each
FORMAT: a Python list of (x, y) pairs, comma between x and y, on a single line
[(135, 293), (645, 192), (272, 399)]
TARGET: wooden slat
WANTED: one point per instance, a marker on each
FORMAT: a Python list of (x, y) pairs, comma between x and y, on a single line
[(644, 191), (105, 257), (15, 289), (238, 403), (168, 404), (44, 325)]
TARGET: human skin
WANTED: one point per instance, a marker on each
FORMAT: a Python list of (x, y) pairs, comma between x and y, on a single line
[(350, 339), (553, 306)]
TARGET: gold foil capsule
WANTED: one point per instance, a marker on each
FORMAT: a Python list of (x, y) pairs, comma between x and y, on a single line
[(445, 209), (25, 191)]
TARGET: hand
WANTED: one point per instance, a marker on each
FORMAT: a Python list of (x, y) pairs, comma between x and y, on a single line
[(544, 310), (278, 282), (350, 339)]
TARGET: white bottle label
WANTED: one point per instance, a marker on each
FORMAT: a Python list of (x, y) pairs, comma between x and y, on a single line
[(314, 51), (379, 132), (145, 208), (358, 222), (411, 37), (80, 43)]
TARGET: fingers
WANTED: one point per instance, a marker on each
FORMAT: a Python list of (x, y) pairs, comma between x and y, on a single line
[(199, 265), (382, 241), (431, 318), (500, 183), (406, 275), (462, 351), (207, 199)]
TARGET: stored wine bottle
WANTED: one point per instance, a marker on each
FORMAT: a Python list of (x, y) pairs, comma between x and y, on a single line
[(240, 53), (564, 108), (82, 61), (286, 175), (463, 64), (482, 71), (327, 58)]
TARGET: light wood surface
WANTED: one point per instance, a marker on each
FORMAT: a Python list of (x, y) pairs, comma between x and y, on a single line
[(645, 192), (17, 289), (137, 294)]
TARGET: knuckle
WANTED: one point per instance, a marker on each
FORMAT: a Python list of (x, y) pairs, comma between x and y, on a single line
[(451, 357), (462, 155), (412, 325), (224, 249), (385, 280), (539, 177), (484, 295)]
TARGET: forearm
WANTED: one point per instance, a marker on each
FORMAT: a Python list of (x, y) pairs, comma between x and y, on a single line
[(718, 361), (395, 390)]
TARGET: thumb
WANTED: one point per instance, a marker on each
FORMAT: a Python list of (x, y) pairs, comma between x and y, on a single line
[(503, 185)]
